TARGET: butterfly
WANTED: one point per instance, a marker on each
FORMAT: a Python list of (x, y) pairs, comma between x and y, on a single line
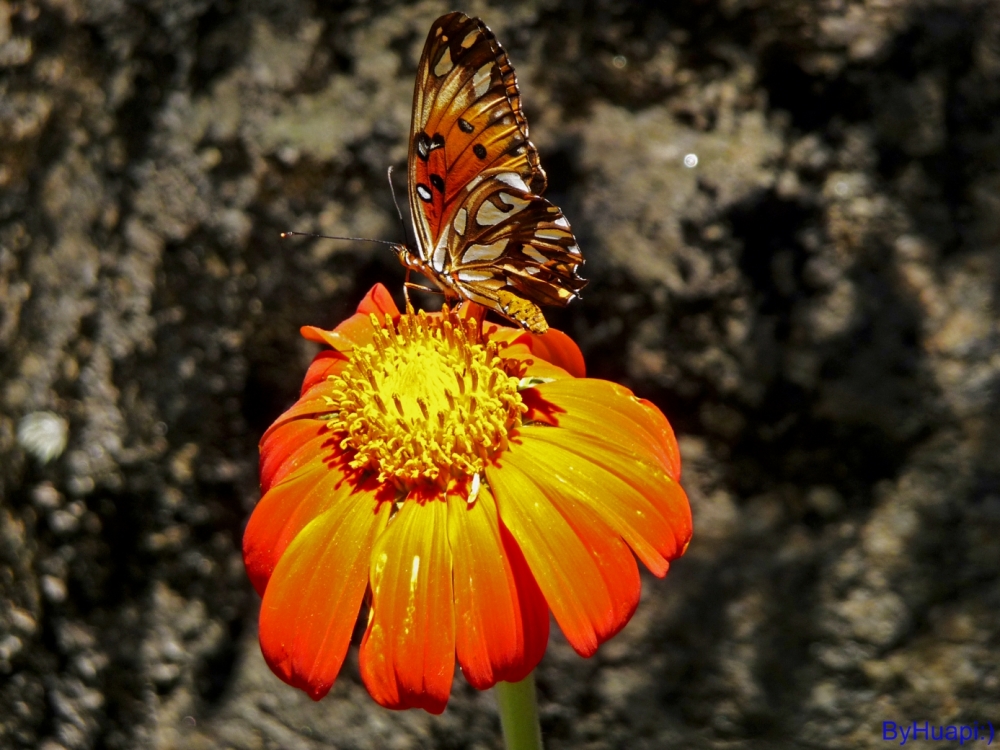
[(483, 231)]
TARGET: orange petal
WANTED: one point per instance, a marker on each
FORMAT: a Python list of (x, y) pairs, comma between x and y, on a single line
[(553, 346), (534, 610), (631, 494), (408, 652), (659, 425), (470, 310), (356, 330), (317, 401), (556, 347), (587, 574), (293, 444), (607, 414), (324, 365), (501, 619), (284, 510), (535, 366), (311, 603), (378, 301)]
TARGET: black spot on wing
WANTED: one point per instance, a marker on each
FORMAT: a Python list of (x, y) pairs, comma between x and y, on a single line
[(422, 142), (479, 150), (437, 182), (425, 144), (465, 126)]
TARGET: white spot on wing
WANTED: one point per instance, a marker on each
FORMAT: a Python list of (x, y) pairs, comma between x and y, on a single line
[(485, 253), (481, 81), (460, 221), (533, 253), (517, 203), (575, 249), (472, 276), (551, 234), (440, 254), (514, 180), (444, 65), (562, 221), (488, 214)]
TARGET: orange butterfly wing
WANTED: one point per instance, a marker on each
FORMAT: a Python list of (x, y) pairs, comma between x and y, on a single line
[(483, 232)]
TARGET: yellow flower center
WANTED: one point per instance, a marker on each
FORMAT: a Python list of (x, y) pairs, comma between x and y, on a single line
[(428, 400)]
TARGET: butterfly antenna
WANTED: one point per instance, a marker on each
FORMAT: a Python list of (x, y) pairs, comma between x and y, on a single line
[(328, 237), (402, 224)]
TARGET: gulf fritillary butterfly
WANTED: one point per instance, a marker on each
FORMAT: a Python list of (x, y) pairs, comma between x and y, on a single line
[(483, 232)]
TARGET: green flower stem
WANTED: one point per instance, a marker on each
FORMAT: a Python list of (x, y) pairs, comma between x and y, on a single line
[(519, 714)]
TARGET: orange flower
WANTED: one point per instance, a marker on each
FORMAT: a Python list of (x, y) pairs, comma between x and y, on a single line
[(471, 478)]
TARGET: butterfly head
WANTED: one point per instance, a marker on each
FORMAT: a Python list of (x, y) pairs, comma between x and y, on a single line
[(408, 258)]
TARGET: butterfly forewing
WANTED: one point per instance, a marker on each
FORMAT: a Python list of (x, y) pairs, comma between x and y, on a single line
[(482, 230)]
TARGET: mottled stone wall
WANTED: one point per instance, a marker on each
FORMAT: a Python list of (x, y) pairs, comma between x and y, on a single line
[(814, 304)]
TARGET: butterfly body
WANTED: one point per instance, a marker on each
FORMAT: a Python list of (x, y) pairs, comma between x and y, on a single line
[(483, 231)]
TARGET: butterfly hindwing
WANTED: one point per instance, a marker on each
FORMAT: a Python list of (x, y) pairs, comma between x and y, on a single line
[(519, 238)]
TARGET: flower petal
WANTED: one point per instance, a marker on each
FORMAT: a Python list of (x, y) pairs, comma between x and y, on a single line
[(660, 427), (553, 346), (408, 652), (534, 610), (501, 619), (291, 445), (312, 601), (317, 401), (324, 365), (556, 347), (284, 510), (607, 414), (633, 495), (534, 366), (587, 574), (378, 301), (356, 330)]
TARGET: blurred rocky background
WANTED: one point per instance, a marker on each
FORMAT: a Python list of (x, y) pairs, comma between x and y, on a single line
[(790, 211)]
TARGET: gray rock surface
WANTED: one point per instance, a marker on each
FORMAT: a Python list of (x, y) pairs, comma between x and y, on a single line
[(814, 304)]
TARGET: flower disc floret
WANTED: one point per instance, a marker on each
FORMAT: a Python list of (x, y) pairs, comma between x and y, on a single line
[(427, 401)]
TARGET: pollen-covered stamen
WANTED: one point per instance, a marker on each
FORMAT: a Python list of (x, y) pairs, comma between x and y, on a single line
[(428, 400)]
